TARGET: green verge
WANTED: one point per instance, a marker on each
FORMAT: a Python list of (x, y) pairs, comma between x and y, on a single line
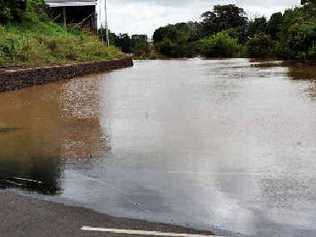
[(35, 40)]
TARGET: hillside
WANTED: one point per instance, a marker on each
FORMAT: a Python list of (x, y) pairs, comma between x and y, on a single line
[(30, 38)]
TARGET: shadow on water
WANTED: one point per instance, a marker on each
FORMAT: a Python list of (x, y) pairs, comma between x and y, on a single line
[(42, 175), (42, 129), (303, 72)]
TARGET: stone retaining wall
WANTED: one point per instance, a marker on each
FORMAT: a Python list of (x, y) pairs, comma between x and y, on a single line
[(14, 79)]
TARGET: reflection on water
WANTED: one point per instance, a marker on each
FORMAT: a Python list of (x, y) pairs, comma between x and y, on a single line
[(227, 145), (305, 72), (42, 128), (41, 174), (5, 130), (302, 72)]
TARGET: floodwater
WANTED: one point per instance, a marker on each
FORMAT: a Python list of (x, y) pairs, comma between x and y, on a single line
[(223, 145)]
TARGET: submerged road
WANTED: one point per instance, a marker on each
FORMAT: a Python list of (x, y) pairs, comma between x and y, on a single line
[(22, 216), (221, 145)]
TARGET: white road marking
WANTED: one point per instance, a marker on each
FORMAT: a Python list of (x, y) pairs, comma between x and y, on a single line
[(141, 232), (28, 180)]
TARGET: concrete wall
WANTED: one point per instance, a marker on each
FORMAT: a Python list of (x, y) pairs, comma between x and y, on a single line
[(14, 79)]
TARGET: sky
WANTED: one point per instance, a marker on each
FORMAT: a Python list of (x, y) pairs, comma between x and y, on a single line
[(144, 16)]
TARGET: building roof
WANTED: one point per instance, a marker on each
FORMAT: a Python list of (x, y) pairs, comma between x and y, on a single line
[(70, 3)]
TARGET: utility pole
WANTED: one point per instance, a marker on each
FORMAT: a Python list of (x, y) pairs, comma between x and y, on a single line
[(100, 20), (106, 24)]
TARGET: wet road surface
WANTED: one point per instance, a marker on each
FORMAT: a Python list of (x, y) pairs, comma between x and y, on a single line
[(21, 216), (223, 145)]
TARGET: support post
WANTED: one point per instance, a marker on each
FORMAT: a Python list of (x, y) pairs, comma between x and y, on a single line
[(65, 17)]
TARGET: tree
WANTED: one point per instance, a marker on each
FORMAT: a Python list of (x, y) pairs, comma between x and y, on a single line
[(177, 40), (304, 2), (124, 42), (220, 45), (309, 7), (274, 26), (103, 37), (301, 38), (260, 46), (162, 33), (229, 16), (166, 47), (258, 25), (208, 23), (179, 33), (195, 29), (140, 45), (222, 18)]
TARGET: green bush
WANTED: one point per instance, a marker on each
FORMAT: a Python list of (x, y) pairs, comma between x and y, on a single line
[(166, 47), (7, 48), (220, 45), (311, 55), (260, 46), (301, 38)]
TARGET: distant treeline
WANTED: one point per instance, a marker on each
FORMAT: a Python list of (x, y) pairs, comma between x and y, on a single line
[(138, 45), (227, 32)]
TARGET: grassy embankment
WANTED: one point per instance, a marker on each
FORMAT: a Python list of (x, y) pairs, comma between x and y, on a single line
[(36, 40)]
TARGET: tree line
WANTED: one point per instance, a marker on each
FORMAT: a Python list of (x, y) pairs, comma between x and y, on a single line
[(137, 44), (226, 31)]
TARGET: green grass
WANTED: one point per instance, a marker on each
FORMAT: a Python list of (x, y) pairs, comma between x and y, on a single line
[(36, 40)]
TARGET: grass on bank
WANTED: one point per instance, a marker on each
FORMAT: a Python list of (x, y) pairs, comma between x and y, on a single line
[(36, 40)]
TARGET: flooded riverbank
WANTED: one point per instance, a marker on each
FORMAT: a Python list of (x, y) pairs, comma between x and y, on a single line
[(215, 144)]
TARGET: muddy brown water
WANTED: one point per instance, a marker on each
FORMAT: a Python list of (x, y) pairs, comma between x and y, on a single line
[(224, 145)]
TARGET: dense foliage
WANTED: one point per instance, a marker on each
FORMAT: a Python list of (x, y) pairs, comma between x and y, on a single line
[(227, 32), (177, 40), (260, 46), (220, 45), (138, 45), (31, 38)]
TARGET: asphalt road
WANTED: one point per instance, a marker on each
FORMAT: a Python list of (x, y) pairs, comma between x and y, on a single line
[(26, 217)]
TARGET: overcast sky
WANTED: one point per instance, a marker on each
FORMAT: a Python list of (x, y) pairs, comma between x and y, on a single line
[(144, 16)]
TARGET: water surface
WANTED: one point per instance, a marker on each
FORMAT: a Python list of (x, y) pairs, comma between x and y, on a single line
[(224, 145)]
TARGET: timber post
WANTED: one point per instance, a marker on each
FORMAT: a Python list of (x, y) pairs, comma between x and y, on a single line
[(65, 17)]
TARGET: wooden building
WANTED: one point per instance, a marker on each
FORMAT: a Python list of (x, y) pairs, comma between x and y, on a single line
[(75, 12)]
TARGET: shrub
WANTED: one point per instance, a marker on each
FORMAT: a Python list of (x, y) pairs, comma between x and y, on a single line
[(300, 39), (312, 52), (220, 45), (260, 46), (7, 48), (166, 47)]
